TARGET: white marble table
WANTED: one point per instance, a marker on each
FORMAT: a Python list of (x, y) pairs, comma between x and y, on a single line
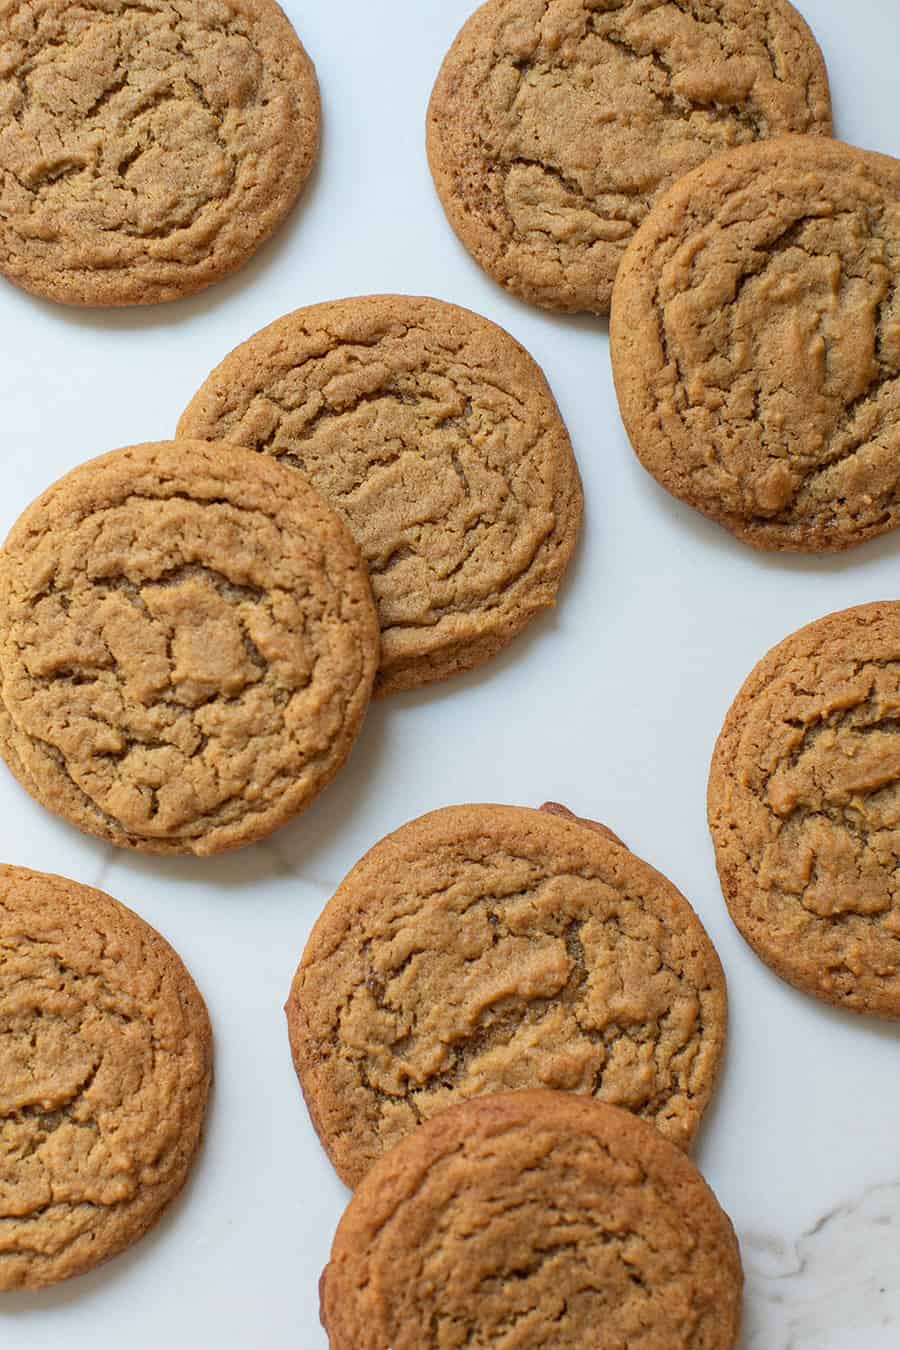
[(611, 704)]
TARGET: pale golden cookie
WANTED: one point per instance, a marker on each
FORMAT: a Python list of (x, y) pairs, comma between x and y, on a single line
[(146, 150), (435, 436), (187, 646), (105, 1067), (533, 1219), (804, 809), (483, 948), (555, 124), (755, 342)]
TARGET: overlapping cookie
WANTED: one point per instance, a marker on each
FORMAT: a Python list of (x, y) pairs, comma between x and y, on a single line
[(535, 1219), (555, 124), (187, 645), (484, 948), (435, 437), (756, 343)]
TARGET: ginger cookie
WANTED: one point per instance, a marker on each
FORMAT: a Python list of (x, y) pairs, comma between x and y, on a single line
[(435, 436), (756, 343), (533, 1219), (555, 124), (804, 809), (485, 948), (105, 1067), (187, 645), (147, 150)]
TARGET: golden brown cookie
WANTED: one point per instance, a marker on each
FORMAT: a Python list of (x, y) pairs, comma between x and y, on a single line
[(435, 436), (804, 809), (105, 1066), (756, 343), (146, 150), (187, 647), (555, 124), (484, 948), (534, 1219)]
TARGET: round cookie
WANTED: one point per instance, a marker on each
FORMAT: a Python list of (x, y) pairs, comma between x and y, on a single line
[(147, 150), (555, 124), (756, 343), (804, 809), (187, 646), (485, 948), (105, 1067), (533, 1219), (435, 436)]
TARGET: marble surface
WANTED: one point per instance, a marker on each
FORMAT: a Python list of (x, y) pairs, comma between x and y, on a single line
[(611, 704)]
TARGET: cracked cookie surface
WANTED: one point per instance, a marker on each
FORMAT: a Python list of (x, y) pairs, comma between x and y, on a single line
[(105, 1067), (147, 149), (533, 1219), (555, 124), (187, 645), (435, 436), (485, 948), (804, 809), (756, 343)]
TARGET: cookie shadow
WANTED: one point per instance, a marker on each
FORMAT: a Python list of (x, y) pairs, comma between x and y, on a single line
[(291, 851), (706, 533), (134, 318)]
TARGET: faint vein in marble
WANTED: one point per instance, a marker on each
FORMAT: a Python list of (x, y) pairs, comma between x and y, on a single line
[(837, 1287)]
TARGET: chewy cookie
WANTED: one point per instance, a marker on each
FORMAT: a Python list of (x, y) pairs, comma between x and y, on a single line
[(435, 436), (187, 645), (105, 1067), (555, 124), (804, 809), (146, 150), (756, 343), (483, 948), (533, 1219)]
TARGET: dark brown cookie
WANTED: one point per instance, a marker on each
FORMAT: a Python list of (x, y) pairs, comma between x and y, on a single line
[(105, 1066), (756, 343), (187, 646), (483, 948), (435, 436), (555, 124), (533, 1219), (146, 150), (804, 809)]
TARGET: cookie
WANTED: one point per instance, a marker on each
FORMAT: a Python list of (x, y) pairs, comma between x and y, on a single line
[(756, 343), (804, 809), (555, 124), (187, 647), (484, 948), (533, 1219), (147, 150), (435, 436), (105, 1067)]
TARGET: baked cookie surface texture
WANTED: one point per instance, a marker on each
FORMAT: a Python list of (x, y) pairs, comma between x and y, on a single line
[(436, 437), (756, 343), (534, 1219), (804, 809), (105, 1067), (147, 149), (485, 948), (555, 124), (187, 647)]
